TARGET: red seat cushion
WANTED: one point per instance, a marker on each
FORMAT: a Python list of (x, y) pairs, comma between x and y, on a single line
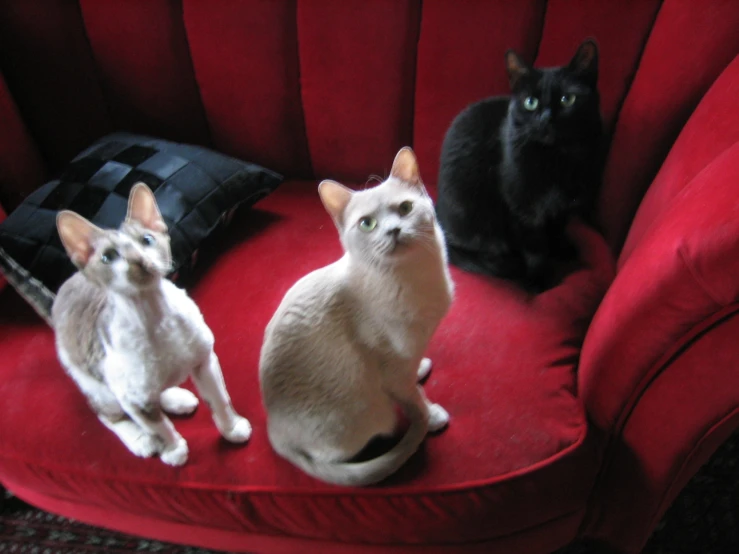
[(515, 458)]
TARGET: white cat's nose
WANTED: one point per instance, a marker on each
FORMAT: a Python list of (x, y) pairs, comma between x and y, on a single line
[(394, 232)]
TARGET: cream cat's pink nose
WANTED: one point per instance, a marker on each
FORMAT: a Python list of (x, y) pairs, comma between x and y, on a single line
[(139, 270)]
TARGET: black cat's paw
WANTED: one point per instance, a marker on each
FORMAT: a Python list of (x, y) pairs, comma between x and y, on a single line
[(535, 286), (565, 250), (540, 273), (500, 266)]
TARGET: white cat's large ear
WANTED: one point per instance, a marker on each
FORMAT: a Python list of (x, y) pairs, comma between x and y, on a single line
[(142, 207), (405, 167), (78, 236), (335, 198)]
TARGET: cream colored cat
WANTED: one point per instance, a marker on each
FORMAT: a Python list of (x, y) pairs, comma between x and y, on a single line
[(345, 346), (127, 335)]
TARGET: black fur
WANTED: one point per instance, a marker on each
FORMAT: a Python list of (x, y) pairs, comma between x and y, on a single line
[(511, 177)]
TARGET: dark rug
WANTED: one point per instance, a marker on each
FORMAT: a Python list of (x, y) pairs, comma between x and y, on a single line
[(704, 519)]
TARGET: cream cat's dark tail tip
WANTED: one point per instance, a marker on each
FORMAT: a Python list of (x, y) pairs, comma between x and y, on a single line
[(360, 474)]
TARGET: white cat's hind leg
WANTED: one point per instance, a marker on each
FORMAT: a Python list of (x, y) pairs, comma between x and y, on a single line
[(149, 416), (208, 379), (138, 441), (178, 401), (110, 412), (424, 369)]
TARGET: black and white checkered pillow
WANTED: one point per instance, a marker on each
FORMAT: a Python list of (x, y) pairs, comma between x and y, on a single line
[(196, 189)]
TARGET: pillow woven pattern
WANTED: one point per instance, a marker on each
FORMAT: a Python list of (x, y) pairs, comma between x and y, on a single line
[(196, 190)]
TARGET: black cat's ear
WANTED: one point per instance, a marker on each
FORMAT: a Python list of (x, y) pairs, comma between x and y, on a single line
[(516, 68), (585, 60)]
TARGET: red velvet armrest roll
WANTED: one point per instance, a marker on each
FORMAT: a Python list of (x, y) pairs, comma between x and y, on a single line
[(682, 276), (659, 370), (678, 267)]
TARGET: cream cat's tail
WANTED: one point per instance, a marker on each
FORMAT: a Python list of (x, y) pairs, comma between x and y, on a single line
[(358, 474)]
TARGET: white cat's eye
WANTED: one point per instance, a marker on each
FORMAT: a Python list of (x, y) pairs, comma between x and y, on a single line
[(568, 100), (367, 224), (405, 207), (109, 256), (531, 103), (147, 240)]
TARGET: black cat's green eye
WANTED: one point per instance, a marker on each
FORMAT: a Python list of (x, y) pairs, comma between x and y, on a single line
[(531, 103), (568, 100), (109, 256), (367, 224), (405, 207), (147, 240)]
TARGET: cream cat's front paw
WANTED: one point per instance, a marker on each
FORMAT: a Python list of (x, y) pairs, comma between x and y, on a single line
[(178, 401), (424, 369), (240, 430), (438, 418), (175, 455)]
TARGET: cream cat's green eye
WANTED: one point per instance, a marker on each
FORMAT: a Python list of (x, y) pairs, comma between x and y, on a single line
[(109, 256), (568, 100), (405, 207), (367, 224), (531, 103), (147, 240)]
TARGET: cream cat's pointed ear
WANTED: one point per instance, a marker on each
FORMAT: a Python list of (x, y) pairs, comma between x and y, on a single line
[(516, 68), (78, 236), (142, 207), (405, 167), (335, 198)]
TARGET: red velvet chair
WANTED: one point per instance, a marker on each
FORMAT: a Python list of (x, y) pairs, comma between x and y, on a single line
[(578, 413)]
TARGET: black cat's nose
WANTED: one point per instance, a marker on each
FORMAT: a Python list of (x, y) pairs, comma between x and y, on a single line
[(548, 136)]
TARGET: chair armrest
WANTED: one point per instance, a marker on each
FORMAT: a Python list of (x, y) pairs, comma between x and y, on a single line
[(658, 369), (680, 278)]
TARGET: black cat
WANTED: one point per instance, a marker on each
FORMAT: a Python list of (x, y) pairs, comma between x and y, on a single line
[(515, 168)]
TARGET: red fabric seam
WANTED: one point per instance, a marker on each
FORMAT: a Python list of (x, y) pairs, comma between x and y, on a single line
[(352, 492)]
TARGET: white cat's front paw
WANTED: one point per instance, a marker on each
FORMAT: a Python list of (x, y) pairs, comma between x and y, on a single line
[(144, 446), (438, 418), (178, 401), (424, 369), (175, 455), (240, 431)]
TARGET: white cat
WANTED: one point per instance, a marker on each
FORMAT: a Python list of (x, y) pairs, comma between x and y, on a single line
[(127, 335), (345, 346)]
